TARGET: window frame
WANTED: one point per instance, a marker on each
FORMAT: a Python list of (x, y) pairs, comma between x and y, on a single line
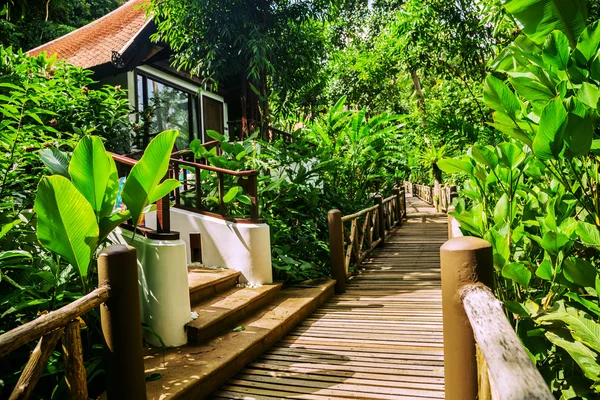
[(193, 102)]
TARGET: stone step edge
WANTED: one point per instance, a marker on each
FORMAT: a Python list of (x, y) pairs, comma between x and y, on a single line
[(201, 292), (204, 328)]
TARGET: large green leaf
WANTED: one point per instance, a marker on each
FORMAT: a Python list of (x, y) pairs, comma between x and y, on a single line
[(94, 174), (586, 358), (549, 142), (587, 44), (589, 95), (501, 211), (518, 273), (528, 86), (66, 221), (556, 50), (485, 155), (499, 97), (108, 224), (579, 272), (580, 324), (143, 186), (553, 242), (589, 234), (579, 134), (516, 129), (510, 154), (56, 161), (540, 17), (451, 166)]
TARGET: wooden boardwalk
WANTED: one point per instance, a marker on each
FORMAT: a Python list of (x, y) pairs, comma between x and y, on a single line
[(382, 339)]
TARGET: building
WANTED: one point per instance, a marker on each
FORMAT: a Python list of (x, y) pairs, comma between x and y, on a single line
[(118, 49)]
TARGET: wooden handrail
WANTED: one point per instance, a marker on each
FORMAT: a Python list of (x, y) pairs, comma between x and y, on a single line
[(350, 249), (118, 298), (176, 161), (474, 321), (513, 376), (359, 214), (46, 323), (428, 193)]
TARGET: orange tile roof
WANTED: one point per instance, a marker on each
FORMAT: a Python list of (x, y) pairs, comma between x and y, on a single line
[(93, 44)]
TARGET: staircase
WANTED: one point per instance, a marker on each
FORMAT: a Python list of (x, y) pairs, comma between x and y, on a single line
[(235, 325)]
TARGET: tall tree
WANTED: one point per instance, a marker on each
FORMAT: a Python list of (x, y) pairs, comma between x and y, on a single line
[(269, 43)]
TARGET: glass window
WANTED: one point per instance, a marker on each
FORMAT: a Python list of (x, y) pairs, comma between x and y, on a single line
[(170, 108)]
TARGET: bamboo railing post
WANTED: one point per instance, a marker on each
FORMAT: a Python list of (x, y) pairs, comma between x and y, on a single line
[(453, 194), (122, 324), (163, 213), (36, 365), (398, 216), (464, 260), (336, 249), (253, 194), (378, 200), (75, 373)]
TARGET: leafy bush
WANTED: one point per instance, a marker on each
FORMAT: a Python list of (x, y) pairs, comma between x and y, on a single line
[(45, 105), (339, 160), (535, 197)]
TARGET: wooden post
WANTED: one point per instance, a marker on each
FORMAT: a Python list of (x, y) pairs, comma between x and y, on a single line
[(75, 374), (198, 189), (253, 194), (453, 195), (36, 365), (378, 200), (163, 213), (506, 371), (336, 250), (196, 246), (122, 324), (403, 203), (398, 216), (221, 188), (464, 260)]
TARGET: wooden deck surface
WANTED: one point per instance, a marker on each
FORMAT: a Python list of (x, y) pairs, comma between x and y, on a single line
[(382, 339)]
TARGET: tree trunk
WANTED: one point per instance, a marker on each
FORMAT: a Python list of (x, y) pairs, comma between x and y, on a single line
[(244, 101), (437, 175), (418, 90), (264, 106)]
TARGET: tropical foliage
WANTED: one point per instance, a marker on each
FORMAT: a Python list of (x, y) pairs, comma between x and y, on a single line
[(46, 107), (534, 196)]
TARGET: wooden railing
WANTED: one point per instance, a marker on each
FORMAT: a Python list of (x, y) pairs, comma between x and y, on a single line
[(353, 237), (428, 194), (483, 357), (185, 168), (188, 172), (121, 326)]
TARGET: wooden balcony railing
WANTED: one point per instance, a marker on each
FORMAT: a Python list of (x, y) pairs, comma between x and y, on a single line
[(118, 298), (367, 230), (429, 195), (483, 357), (188, 170)]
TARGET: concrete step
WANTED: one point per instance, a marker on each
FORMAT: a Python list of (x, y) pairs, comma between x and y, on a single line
[(225, 310), (196, 370), (207, 282)]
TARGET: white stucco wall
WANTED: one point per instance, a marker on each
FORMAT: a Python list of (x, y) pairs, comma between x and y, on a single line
[(241, 247)]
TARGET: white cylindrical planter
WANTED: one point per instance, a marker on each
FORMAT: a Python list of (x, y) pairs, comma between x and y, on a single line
[(164, 292)]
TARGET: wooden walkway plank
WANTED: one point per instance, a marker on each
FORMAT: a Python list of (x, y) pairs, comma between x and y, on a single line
[(382, 339)]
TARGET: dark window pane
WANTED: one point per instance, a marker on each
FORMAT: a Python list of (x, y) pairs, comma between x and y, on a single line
[(171, 111)]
